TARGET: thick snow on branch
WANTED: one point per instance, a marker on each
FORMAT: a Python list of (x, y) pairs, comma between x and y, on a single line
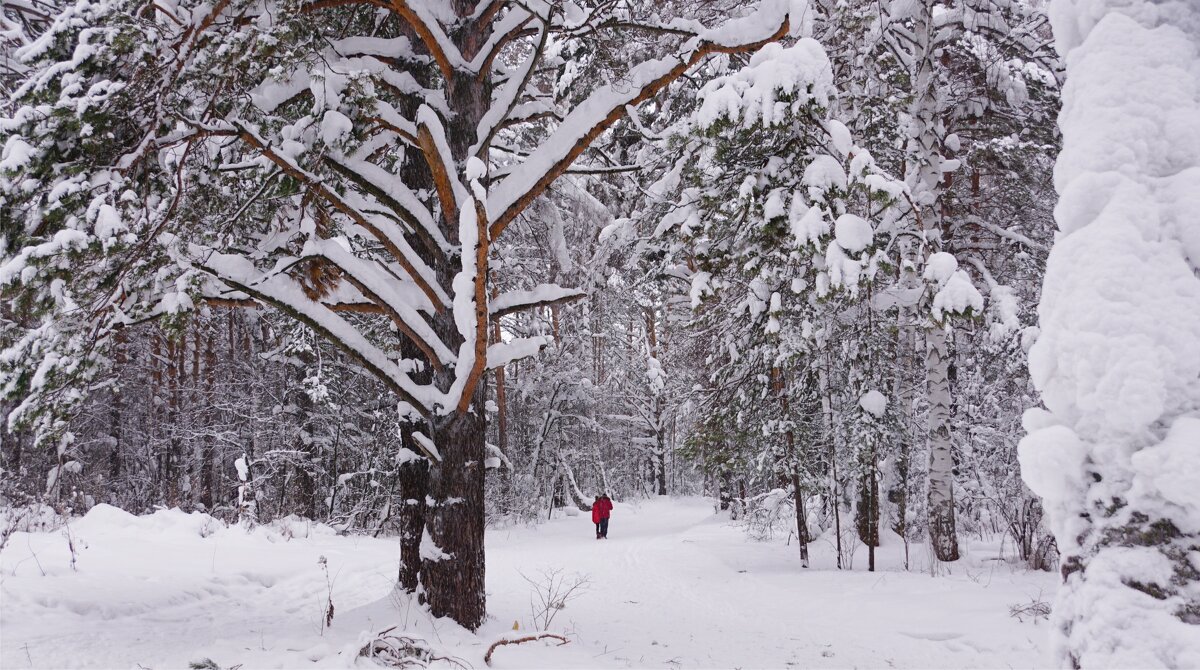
[(503, 353), (1118, 358), (601, 109), (396, 194), (543, 294), (386, 290), (506, 97), (282, 292), (800, 74), (954, 291)]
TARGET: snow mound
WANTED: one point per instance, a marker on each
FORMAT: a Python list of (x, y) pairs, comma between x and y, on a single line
[(105, 517)]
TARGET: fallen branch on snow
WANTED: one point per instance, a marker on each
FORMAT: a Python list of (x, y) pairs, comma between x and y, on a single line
[(1036, 608), (402, 651), (487, 658)]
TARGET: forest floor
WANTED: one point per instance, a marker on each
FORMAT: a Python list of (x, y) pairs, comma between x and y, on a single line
[(675, 586)]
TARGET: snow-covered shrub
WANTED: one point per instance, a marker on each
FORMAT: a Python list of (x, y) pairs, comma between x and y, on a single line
[(770, 513), (35, 518)]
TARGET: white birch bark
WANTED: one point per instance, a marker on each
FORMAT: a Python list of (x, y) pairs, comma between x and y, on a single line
[(924, 178)]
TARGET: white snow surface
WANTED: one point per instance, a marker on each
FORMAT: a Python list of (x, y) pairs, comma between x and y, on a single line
[(675, 586)]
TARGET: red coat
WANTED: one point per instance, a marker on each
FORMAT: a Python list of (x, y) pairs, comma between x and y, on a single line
[(601, 509)]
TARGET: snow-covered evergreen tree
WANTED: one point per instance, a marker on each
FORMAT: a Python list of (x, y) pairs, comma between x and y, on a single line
[(1114, 454)]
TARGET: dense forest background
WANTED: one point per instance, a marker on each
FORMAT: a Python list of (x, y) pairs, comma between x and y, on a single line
[(724, 346)]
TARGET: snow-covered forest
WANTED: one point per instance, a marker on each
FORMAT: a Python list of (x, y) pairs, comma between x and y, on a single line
[(325, 323)]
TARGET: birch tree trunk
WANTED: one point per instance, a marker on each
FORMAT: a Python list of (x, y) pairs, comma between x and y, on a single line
[(924, 177), (942, 534)]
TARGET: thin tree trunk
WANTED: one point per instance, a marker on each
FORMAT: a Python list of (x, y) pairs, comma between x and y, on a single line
[(660, 456), (156, 377), (780, 388), (897, 494), (504, 473), (117, 409), (414, 486), (208, 449), (801, 517), (305, 439), (835, 498)]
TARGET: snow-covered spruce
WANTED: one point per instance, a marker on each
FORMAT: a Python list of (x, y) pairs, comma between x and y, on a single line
[(1116, 451)]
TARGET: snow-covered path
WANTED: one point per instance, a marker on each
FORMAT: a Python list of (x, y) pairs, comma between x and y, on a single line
[(674, 586)]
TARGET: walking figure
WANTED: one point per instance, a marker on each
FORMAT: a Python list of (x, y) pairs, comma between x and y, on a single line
[(601, 510)]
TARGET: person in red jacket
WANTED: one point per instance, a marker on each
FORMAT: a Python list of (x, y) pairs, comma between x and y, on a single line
[(597, 507), (601, 511)]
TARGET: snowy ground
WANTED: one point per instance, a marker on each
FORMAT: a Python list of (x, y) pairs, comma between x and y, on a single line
[(675, 586)]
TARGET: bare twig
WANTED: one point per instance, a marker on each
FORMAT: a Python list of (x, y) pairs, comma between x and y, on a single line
[(551, 594), (1036, 608), (487, 658)]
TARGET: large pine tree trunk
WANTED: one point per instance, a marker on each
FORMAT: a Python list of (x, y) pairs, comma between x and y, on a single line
[(452, 571)]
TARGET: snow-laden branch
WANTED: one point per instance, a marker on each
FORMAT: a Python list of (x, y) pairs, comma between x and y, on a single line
[(607, 104), (431, 136), (391, 191), (504, 31), (503, 353), (382, 230), (426, 26), (539, 296), (383, 290), (1006, 233), (506, 99), (281, 291)]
